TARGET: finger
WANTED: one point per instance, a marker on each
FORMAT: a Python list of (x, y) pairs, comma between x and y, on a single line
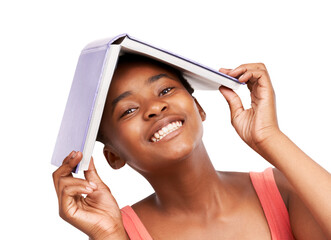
[(64, 182), (251, 66), (73, 153), (91, 174), (257, 79), (225, 70), (69, 197), (237, 72), (254, 75), (69, 163), (251, 76), (234, 101), (73, 191), (71, 181)]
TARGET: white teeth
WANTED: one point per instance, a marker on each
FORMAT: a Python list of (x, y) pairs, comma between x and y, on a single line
[(165, 130), (158, 135)]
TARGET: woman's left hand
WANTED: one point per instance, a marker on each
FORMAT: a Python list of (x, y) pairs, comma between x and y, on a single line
[(256, 124)]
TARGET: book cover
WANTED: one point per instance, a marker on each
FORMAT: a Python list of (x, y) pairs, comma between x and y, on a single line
[(81, 104)]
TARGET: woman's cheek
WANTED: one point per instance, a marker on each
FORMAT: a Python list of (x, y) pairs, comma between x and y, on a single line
[(129, 135), (184, 100)]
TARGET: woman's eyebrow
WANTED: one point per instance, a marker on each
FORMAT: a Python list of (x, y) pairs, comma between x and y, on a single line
[(120, 97), (157, 77)]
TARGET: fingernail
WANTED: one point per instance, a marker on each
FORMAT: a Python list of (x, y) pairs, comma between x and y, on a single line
[(241, 77), (93, 184), (89, 189), (74, 154)]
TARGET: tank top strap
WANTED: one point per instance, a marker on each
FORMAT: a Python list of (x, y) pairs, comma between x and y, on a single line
[(133, 226), (272, 203)]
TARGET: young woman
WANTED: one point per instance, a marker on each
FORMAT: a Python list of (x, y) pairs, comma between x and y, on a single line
[(152, 123)]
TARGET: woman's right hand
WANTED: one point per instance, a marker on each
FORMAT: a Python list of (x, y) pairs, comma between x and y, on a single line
[(97, 214)]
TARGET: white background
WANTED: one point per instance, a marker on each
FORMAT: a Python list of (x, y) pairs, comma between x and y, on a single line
[(39, 47)]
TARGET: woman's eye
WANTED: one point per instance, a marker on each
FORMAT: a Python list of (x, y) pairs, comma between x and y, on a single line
[(165, 91), (129, 111)]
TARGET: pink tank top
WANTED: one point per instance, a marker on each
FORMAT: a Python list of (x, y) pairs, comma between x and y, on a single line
[(270, 199), (273, 205)]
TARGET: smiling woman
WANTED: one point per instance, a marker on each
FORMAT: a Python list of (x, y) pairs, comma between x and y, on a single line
[(144, 99), (152, 123)]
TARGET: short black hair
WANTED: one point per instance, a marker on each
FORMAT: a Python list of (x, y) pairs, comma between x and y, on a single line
[(135, 58)]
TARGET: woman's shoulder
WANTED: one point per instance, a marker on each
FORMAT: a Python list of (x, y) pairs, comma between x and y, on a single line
[(146, 208), (238, 184), (242, 181)]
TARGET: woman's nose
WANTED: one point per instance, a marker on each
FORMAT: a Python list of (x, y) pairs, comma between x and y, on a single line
[(155, 109)]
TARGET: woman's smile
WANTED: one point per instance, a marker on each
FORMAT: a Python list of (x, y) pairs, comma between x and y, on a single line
[(166, 130)]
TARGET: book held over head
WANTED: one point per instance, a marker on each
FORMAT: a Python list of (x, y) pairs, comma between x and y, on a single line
[(88, 93)]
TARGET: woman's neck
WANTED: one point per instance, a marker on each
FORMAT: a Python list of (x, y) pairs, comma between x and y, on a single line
[(192, 186)]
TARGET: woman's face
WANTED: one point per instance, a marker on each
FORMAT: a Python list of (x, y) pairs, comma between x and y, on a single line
[(150, 119)]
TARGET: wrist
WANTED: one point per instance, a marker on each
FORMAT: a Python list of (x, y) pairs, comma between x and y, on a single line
[(117, 233), (274, 138), (112, 236)]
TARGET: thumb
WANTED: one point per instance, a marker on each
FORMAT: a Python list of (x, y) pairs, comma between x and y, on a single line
[(234, 101), (225, 70), (101, 195), (91, 174)]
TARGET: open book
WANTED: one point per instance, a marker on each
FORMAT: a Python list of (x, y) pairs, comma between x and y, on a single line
[(94, 71)]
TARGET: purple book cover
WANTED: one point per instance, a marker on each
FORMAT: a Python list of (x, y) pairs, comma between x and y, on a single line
[(80, 103)]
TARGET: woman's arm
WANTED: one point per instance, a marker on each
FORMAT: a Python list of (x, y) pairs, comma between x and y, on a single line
[(258, 127), (311, 186)]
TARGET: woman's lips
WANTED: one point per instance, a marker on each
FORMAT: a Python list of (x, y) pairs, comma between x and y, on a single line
[(164, 131)]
